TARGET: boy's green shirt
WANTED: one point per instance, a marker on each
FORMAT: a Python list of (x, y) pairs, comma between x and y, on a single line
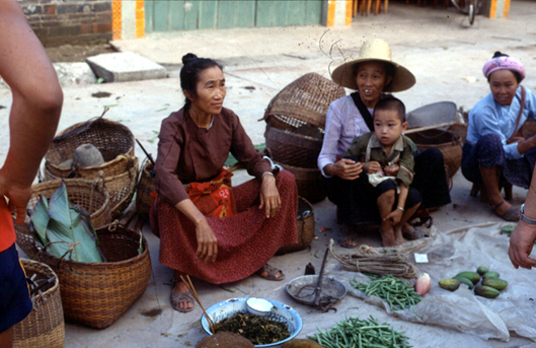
[(403, 147)]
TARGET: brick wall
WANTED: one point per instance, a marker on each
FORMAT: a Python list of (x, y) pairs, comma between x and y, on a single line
[(58, 22)]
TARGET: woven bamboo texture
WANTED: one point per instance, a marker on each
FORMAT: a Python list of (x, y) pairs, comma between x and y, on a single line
[(111, 138), (304, 101), (97, 294), (145, 187), (44, 326), (305, 224), (311, 184), (292, 148), (448, 143)]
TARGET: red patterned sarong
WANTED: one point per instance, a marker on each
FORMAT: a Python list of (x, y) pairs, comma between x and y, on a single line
[(246, 240)]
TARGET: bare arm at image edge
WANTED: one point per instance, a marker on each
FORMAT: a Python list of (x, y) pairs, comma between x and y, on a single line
[(36, 108), (524, 235)]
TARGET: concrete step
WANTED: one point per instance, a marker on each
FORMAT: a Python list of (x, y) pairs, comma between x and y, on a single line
[(125, 66)]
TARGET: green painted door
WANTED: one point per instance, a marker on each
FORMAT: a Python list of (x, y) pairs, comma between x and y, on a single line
[(169, 15)]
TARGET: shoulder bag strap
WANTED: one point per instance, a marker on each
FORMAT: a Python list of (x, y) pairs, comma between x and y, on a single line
[(519, 116), (363, 110)]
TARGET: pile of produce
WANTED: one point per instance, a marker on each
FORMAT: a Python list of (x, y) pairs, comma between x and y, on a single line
[(255, 328), (354, 333), (398, 294), (490, 286), (224, 340)]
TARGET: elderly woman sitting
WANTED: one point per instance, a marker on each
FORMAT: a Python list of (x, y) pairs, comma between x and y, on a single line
[(207, 228), (373, 74), (495, 151)]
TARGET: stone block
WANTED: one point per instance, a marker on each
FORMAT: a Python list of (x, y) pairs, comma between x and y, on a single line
[(74, 74), (125, 66)]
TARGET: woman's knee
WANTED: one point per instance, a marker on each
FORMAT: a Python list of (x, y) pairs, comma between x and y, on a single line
[(489, 150), (388, 197)]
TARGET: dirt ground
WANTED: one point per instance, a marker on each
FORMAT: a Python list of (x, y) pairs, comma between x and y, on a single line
[(76, 53)]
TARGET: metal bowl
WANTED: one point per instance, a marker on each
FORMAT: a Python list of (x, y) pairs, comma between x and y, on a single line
[(302, 289), (280, 312)]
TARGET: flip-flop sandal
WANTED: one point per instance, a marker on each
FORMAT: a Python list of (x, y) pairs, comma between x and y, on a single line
[(415, 234), (511, 214), (348, 243), (176, 299), (272, 271)]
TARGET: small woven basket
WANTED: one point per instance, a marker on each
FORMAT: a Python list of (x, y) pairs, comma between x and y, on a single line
[(292, 148), (311, 184), (116, 143), (97, 294), (304, 101), (111, 138), (91, 195), (44, 326), (305, 224), (145, 187), (449, 143)]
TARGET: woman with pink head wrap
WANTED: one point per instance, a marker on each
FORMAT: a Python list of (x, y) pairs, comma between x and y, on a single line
[(495, 153)]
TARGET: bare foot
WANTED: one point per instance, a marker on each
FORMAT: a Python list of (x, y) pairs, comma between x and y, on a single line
[(270, 273), (180, 288), (399, 238), (388, 235)]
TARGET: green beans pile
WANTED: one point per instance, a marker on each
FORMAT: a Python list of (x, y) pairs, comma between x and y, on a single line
[(356, 333), (398, 294)]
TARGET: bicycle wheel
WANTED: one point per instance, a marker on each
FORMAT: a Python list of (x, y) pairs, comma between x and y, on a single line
[(472, 11)]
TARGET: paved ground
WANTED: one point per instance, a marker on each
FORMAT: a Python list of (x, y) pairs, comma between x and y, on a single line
[(437, 45)]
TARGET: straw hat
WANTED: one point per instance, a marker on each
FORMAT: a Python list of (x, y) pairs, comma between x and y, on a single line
[(374, 50)]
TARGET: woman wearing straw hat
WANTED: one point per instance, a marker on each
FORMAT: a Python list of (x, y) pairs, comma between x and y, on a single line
[(372, 75), (496, 153)]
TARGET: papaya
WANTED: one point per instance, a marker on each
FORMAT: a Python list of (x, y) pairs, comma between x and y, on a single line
[(482, 270), (465, 281), (495, 283), (450, 284), (486, 291), (472, 276), (491, 275)]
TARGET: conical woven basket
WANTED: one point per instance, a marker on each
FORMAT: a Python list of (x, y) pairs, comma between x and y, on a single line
[(44, 326), (304, 101)]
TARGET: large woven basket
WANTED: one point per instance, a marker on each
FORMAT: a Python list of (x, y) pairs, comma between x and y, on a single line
[(305, 224), (311, 184), (449, 143), (289, 147), (44, 326), (111, 138), (304, 101), (145, 187), (97, 294)]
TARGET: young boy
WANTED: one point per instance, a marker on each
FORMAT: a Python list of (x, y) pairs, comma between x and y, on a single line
[(387, 158)]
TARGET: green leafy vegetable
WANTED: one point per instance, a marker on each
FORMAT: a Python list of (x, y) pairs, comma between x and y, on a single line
[(68, 231)]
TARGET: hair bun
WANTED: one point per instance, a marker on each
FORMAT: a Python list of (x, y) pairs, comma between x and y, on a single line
[(188, 58), (499, 54)]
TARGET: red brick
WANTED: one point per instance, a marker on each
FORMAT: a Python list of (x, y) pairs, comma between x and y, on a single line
[(86, 29), (50, 9), (102, 28)]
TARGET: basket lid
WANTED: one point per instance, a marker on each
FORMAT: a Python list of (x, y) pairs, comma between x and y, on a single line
[(432, 114), (306, 99)]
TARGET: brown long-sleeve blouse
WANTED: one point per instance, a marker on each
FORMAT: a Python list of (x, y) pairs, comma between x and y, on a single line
[(187, 153)]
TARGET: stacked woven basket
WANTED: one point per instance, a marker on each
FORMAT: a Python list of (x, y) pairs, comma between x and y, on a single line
[(116, 144), (95, 294), (295, 121)]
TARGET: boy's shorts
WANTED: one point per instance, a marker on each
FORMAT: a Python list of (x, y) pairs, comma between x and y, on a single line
[(15, 303)]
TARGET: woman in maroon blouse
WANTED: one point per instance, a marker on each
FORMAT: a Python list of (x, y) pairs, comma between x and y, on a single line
[(229, 234)]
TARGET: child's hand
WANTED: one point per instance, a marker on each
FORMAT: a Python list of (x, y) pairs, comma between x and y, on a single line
[(392, 170), (372, 167), (394, 217)]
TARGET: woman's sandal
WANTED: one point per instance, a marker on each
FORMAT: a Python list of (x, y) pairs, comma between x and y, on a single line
[(414, 234), (175, 299), (511, 214), (272, 272)]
